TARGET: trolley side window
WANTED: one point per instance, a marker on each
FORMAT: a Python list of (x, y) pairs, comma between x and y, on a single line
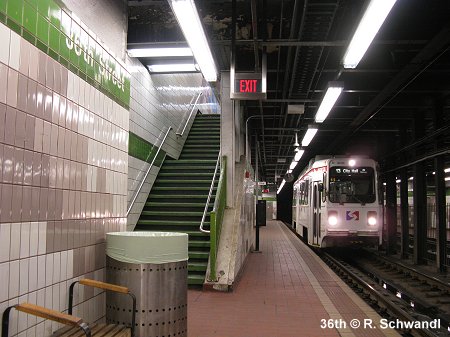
[(352, 185), (303, 198)]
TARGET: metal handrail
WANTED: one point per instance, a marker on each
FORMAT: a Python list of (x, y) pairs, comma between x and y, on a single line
[(209, 197), (148, 171), (189, 118)]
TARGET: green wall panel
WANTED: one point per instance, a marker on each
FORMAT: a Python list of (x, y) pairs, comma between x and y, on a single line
[(143, 150), (71, 45)]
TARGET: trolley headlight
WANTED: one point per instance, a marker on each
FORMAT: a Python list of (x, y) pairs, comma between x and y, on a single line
[(372, 218), (332, 218)]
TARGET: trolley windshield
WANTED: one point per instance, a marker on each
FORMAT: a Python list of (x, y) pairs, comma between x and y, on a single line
[(352, 185)]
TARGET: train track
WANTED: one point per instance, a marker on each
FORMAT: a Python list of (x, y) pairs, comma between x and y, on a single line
[(373, 289)]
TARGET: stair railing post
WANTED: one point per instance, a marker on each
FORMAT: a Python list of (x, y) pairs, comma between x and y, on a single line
[(147, 173), (180, 134), (209, 197)]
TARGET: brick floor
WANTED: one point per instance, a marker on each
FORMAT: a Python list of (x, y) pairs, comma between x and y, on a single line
[(285, 291)]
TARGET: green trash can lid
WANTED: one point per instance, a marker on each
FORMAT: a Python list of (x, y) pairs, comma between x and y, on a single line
[(147, 247)]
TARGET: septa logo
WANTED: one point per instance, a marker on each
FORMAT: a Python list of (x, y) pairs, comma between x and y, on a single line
[(352, 215)]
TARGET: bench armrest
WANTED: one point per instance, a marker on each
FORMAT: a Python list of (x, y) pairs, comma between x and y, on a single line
[(46, 313), (104, 285), (108, 287)]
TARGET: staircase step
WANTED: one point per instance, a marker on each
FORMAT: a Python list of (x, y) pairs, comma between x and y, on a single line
[(185, 174), (200, 151), (172, 213), (174, 204), (184, 188), (197, 266), (207, 137), (189, 167), (198, 255), (196, 155), (193, 146), (177, 196), (199, 244), (182, 181), (171, 223), (194, 279), (189, 161), (201, 141), (192, 234)]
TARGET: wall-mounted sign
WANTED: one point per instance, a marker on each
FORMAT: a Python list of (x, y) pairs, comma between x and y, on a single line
[(249, 86), (261, 183)]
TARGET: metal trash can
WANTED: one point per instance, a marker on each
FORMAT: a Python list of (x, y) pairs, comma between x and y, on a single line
[(153, 265)]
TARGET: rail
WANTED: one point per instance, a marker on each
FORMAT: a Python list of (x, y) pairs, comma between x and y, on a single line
[(216, 218), (189, 118), (209, 197), (146, 173), (373, 293)]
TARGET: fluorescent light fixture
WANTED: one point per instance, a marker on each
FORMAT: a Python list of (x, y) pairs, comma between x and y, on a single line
[(447, 170), (293, 165), (309, 135), (189, 21), (296, 140), (160, 52), (373, 18), (171, 68), (281, 186), (298, 155), (333, 92), (289, 171), (447, 178), (398, 181)]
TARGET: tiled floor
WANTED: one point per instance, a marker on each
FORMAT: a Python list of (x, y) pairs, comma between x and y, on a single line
[(285, 291)]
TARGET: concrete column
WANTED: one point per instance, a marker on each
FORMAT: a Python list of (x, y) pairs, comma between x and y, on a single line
[(439, 189), (441, 232), (420, 213), (404, 213), (227, 134), (391, 212)]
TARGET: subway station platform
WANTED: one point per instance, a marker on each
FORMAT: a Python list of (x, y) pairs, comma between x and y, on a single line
[(284, 291)]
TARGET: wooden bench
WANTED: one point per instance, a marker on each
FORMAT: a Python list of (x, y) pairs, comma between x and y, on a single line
[(75, 326)]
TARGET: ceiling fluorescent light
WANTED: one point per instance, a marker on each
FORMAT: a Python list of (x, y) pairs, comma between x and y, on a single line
[(296, 140), (298, 155), (160, 52), (171, 68), (281, 186), (293, 165), (189, 21), (373, 18), (328, 101), (309, 135)]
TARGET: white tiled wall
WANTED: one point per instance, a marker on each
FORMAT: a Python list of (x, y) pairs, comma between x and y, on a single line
[(63, 183), (158, 102)]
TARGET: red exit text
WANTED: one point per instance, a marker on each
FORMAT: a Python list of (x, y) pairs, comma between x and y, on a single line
[(248, 86)]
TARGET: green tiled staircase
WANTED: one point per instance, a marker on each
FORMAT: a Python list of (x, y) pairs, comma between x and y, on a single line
[(178, 196)]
